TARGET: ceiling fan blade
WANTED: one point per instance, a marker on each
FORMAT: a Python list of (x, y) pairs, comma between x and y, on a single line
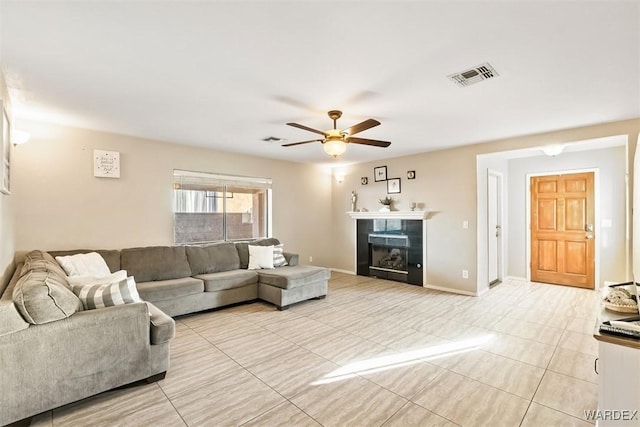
[(367, 124), (301, 142), (296, 125), (365, 141)]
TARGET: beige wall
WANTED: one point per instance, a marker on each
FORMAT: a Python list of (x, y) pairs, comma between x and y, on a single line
[(7, 233), (446, 182), (59, 204)]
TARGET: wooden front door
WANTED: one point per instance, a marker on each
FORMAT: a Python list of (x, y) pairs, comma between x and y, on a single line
[(562, 230)]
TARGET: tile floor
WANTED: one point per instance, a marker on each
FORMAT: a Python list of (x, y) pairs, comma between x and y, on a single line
[(373, 353)]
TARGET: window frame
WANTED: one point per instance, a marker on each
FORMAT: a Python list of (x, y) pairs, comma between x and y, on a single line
[(215, 182)]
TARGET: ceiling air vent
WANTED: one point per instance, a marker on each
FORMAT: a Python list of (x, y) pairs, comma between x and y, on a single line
[(474, 75)]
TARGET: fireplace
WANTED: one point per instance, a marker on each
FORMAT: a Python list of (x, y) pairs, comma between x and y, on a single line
[(388, 252), (391, 249)]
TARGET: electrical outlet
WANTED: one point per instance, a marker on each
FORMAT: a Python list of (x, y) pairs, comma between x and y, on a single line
[(465, 225), (310, 259), (465, 274)]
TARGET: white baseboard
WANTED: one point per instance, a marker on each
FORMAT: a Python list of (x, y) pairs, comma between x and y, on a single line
[(338, 270), (452, 290)]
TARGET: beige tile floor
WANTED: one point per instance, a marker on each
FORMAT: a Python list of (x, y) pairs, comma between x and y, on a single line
[(373, 353)]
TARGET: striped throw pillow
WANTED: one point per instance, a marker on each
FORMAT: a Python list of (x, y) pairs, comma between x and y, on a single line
[(278, 256), (107, 295)]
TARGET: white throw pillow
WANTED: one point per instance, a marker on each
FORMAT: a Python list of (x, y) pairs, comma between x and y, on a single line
[(89, 264), (108, 295), (260, 257), (278, 256), (93, 280)]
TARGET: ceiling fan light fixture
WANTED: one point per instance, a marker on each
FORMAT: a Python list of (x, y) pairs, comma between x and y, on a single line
[(334, 146)]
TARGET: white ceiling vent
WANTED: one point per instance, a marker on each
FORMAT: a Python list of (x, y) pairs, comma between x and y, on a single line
[(474, 75)]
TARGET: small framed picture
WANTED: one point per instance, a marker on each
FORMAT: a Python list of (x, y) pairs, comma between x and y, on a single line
[(393, 186), (380, 173), (364, 180), (106, 164), (411, 174)]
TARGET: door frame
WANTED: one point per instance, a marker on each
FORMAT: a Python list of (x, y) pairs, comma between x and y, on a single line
[(596, 198), (501, 220)]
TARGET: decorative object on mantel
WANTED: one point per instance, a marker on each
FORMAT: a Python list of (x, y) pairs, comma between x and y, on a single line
[(380, 173), (106, 164), (364, 180), (411, 174), (393, 186), (354, 199), (412, 206), (386, 204)]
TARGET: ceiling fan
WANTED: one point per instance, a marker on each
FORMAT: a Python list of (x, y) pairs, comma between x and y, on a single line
[(335, 141)]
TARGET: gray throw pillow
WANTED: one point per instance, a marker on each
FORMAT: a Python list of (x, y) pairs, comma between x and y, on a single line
[(42, 297), (41, 261)]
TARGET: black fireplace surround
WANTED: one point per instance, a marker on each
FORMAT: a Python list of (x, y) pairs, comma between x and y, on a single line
[(390, 249)]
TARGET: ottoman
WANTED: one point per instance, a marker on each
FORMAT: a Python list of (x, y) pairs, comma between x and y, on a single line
[(288, 285)]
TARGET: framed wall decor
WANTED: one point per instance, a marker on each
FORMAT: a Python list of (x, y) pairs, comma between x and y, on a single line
[(411, 174), (106, 164), (364, 180), (380, 173), (6, 153), (393, 186)]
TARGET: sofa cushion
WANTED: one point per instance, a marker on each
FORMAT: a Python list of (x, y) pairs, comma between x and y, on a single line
[(162, 290), (155, 263), (41, 261), (243, 249), (102, 295), (213, 258), (293, 276), (41, 297), (111, 257), (163, 327), (228, 280)]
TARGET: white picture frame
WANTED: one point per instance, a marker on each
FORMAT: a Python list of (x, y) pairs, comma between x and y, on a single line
[(106, 164)]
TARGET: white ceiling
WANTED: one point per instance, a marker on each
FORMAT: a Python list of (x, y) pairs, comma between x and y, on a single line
[(225, 74)]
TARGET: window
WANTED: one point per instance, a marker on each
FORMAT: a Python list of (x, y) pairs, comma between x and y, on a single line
[(212, 207)]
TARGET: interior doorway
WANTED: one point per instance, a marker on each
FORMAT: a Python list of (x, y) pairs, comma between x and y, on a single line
[(563, 233), (494, 227)]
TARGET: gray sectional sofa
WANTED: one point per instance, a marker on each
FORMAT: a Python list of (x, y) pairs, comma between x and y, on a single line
[(52, 352)]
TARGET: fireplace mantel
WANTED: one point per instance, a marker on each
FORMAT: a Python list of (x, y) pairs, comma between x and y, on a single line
[(391, 215)]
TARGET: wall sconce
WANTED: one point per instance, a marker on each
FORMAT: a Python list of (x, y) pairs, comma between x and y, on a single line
[(553, 150), (19, 136), (340, 178)]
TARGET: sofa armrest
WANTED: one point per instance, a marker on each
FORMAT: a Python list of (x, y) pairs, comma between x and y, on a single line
[(163, 327), (49, 365), (10, 318), (292, 259)]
